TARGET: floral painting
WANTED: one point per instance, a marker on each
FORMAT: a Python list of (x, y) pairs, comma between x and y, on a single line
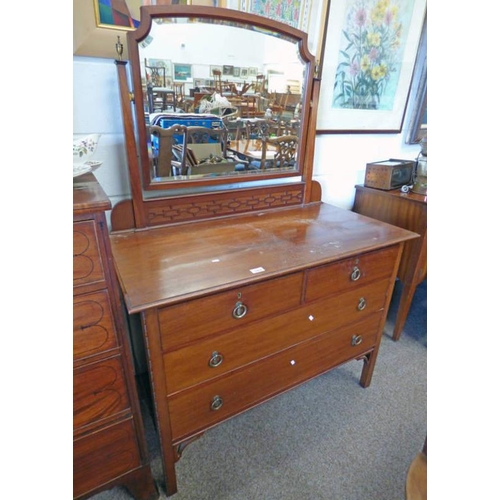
[(368, 61), (371, 52)]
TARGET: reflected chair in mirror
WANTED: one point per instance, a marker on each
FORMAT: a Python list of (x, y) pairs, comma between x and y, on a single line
[(160, 96), (217, 74), (278, 104), (260, 84), (180, 93), (258, 130), (169, 153), (278, 152), (207, 151)]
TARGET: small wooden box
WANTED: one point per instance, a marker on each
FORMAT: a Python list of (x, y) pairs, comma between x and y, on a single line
[(389, 174)]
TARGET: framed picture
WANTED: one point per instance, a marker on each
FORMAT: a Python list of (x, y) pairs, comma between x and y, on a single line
[(97, 24), (417, 102), (182, 72), (294, 12), (369, 57), (243, 72), (227, 70), (161, 63), (236, 71), (252, 71)]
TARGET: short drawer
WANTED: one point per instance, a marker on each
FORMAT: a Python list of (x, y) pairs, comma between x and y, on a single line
[(187, 322), (87, 262), (99, 391), (343, 275), (103, 456), (93, 326), (205, 405), (214, 356)]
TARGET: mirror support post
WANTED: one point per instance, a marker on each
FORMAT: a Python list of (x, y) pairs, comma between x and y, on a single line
[(130, 145), (310, 141)]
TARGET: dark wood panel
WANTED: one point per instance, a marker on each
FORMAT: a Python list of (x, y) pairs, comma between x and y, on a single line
[(326, 280), (99, 391), (93, 326), (104, 456), (87, 261)]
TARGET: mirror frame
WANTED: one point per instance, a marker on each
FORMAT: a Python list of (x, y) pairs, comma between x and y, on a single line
[(148, 13)]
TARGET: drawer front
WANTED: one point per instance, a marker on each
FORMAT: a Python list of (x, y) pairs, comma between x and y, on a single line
[(87, 262), (215, 356), (104, 456), (339, 276), (187, 322), (99, 391), (93, 326), (196, 409)]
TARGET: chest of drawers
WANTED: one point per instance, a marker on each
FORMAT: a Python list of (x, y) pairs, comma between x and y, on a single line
[(240, 309), (109, 446)]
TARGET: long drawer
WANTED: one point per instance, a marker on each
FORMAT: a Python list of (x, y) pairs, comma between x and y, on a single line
[(217, 355), (99, 392), (207, 404), (103, 456), (333, 278), (93, 327), (193, 320)]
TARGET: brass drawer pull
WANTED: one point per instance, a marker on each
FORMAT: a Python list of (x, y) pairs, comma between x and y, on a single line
[(361, 303), (217, 403), (356, 274), (215, 360), (239, 310), (356, 340)]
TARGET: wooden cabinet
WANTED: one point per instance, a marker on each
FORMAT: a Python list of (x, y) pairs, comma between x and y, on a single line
[(239, 309), (409, 211), (109, 445)]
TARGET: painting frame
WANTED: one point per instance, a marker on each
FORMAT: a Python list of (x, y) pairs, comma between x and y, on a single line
[(92, 38), (350, 116), (182, 72), (417, 101)]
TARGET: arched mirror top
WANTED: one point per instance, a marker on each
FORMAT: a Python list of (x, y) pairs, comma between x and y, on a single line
[(245, 78)]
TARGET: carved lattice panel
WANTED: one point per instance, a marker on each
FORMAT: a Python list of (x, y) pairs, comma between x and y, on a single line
[(185, 209)]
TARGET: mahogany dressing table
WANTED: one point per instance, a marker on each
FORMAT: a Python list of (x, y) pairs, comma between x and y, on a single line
[(246, 286)]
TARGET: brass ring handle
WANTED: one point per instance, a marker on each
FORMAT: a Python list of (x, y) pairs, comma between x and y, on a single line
[(215, 360), (239, 310), (356, 274), (217, 403), (356, 340), (361, 303)]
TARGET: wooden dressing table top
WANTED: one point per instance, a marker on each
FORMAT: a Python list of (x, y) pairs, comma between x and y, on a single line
[(166, 265)]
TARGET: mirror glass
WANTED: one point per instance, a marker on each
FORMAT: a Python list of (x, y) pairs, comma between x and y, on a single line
[(248, 81)]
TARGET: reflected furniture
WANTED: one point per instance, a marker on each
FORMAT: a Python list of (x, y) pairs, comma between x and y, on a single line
[(168, 150), (246, 285), (408, 211), (109, 447)]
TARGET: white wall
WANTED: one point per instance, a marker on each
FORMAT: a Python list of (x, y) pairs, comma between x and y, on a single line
[(339, 162)]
